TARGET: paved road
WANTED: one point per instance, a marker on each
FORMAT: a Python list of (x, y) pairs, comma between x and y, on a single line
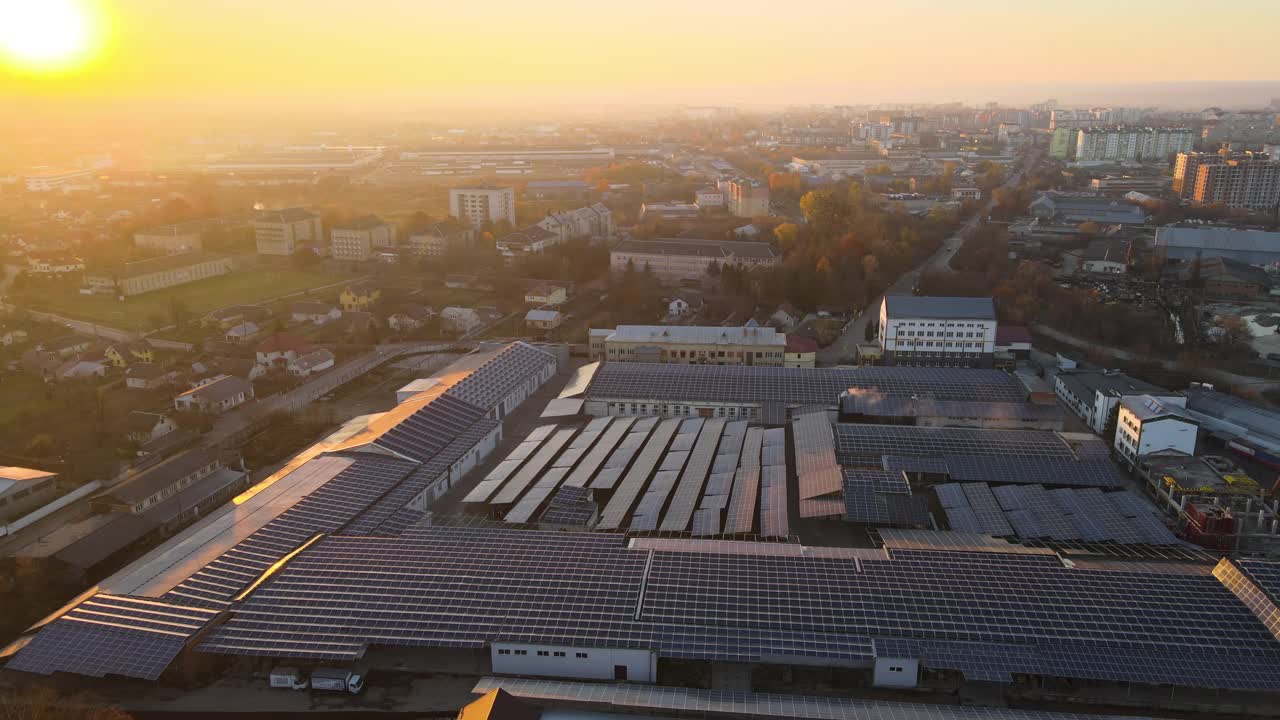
[(844, 349)]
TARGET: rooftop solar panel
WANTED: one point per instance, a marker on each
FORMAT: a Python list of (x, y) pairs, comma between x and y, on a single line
[(793, 386), (990, 517), (536, 498), (430, 428), (486, 386), (775, 518), (741, 514), (951, 495)]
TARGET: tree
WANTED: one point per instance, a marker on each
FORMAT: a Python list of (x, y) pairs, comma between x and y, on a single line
[(787, 234), (38, 702), (41, 446)]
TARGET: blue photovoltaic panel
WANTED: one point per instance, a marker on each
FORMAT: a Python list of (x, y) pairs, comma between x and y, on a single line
[(1024, 524), (951, 495), (514, 487), (429, 429), (990, 517), (615, 512), (1009, 496), (692, 480), (1086, 527), (594, 459), (774, 517), (487, 386), (963, 519), (1142, 517)]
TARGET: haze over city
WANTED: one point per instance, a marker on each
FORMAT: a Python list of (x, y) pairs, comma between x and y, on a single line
[(736, 360)]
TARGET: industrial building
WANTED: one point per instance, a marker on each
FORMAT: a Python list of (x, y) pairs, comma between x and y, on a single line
[(687, 344), (937, 331), (284, 232), (1244, 427), (678, 260), (1175, 243), (1094, 394), (158, 273), (772, 394), (1074, 209)]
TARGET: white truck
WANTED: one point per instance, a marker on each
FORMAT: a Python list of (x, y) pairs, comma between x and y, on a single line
[(337, 680), (290, 678)]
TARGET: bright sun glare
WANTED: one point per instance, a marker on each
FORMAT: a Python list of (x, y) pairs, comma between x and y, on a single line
[(43, 35)]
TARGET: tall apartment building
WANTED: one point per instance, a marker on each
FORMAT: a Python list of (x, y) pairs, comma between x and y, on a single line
[(748, 198), (282, 232), (937, 331), (355, 241), (484, 204), (1249, 181), (1121, 144)]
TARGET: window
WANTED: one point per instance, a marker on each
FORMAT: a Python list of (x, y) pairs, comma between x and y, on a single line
[(559, 653), (543, 653), (504, 652), (583, 655), (522, 652)]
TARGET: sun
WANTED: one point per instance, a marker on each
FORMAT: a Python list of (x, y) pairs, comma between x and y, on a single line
[(46, 35)]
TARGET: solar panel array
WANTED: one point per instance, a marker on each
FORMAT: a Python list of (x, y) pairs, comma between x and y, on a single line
[(113, 635), (570, 505), (817, 472), (659, 701), (740, 456), (628, 490), (1029, 511), (616, 464), (513, 488), (591, 462), (775, 516), (879, 497), (326, 510), (489, 384), (872, 404), (1254, 584), (979, 455), (433, 471), (429, 429), (693, 479), (793, 386)]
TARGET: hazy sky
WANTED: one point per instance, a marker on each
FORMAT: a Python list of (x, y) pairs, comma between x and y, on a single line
[(655, 51)]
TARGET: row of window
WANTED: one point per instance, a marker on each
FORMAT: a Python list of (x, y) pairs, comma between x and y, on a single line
[(543, 653), (736, 412), (929, 333), (940, 343)]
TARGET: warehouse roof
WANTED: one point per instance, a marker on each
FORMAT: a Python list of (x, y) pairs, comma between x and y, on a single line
[(698, 335), (285, 215), (1086, 383), (158, 477), (946, 308), (793, 386), (1218, 238), (698, 248)]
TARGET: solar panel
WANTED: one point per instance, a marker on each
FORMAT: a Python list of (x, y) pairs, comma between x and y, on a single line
[(430, 428), (614, 381), (693, 477), (990, 517), (488, 385), (569, 505), (619, 506), (1142, 518), (1009, 496), (951, 495), (740, 517), (706, 521), (534, 500), (774, 515), (963, 519), (856, 442), (591, 462), (816, 469), (513, 488)]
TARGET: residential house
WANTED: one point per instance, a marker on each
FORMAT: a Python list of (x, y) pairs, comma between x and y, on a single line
[(966, 193), (592, 221), (124, 354), (684, 303), (215, 397), (228, 317), (243, 368), (314, 312), (66, 346), (145, 427), (278, 350), (439, 239), (14, 336), (1014, 340), (148, 376), (410, 318), (243, 332), (87, 366), (545, 294), (461, 320), (543, 319), (39, 362), (311, 363), (360, 295), (356, 321), (801, 352), (786, 316)]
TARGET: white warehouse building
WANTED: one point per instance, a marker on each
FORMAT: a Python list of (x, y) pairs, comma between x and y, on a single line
[(1146, 424), (937, 331)]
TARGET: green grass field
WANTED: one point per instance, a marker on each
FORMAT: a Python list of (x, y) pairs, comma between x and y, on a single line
[(141, 312)]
